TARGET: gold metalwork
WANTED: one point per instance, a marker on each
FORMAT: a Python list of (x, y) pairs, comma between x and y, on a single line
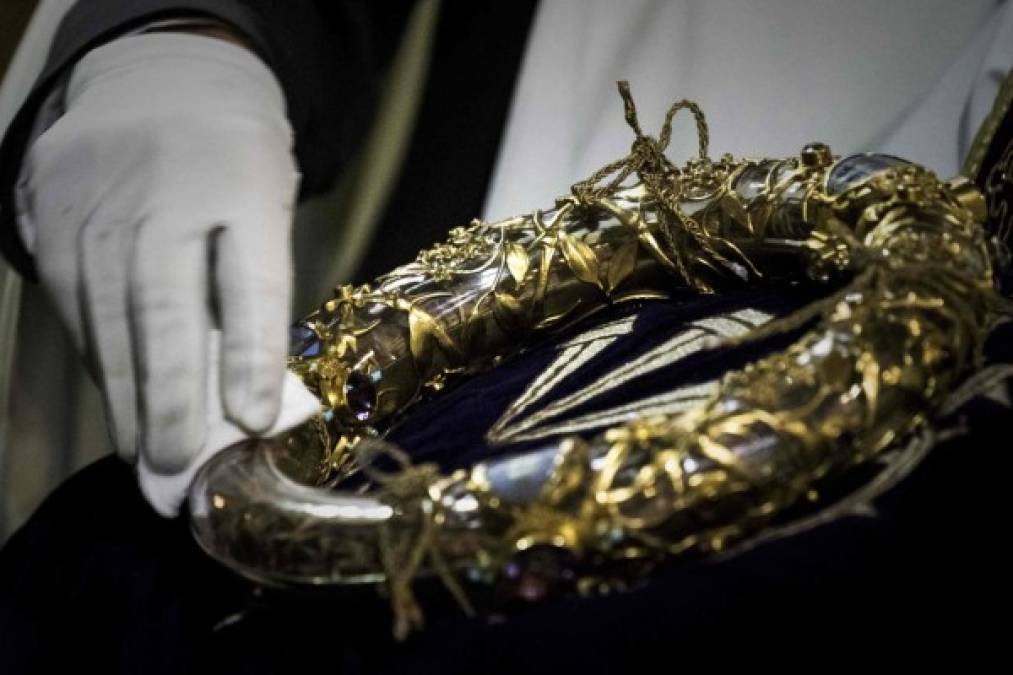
[(914, 299), (986, 132)]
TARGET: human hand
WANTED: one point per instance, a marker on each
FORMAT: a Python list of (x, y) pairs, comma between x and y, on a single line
[(161, 204)]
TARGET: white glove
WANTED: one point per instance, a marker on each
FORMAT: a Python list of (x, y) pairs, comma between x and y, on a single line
[(167, 188), (166, 491)]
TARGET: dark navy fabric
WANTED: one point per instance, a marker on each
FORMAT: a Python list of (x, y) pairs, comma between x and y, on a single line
[(450, 428), (97, 579)]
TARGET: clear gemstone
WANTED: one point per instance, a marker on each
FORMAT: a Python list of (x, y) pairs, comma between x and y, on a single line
[(519, 479)]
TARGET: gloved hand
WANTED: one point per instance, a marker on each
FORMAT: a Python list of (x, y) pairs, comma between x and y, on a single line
[(160, 204)]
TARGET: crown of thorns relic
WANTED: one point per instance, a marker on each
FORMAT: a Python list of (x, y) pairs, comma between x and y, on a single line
[(909, 272)]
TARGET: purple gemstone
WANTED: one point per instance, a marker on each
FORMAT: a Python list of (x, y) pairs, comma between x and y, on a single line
[(538, 572), (360, 396)]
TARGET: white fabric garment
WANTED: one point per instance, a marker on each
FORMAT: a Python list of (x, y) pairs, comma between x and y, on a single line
[(940, 128), (891, 75)]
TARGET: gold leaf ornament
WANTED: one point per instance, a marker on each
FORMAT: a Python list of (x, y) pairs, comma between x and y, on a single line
[(733, 207), (516, 261), (508, 312), (544, 268), (331, 391), (473, 333), (580, 258), (420, 335), (425, 332), (621, 264)]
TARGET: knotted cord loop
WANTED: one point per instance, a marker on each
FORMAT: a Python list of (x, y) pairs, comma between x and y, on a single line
[(647, 154), (403, 550), (689, 244)]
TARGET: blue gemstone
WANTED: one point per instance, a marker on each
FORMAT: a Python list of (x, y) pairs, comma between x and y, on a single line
[(303, 341)]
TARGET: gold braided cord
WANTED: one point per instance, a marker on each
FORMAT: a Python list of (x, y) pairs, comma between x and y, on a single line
[(648, 161), (910, 300), (402, 552), (647, 156)]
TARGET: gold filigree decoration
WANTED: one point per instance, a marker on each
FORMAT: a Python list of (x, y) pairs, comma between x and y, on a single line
[(911, 297)]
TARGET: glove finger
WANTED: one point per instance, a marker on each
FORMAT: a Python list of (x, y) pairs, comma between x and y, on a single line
[(49, 221), (104, 254), (170, 323), (254, 282)]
